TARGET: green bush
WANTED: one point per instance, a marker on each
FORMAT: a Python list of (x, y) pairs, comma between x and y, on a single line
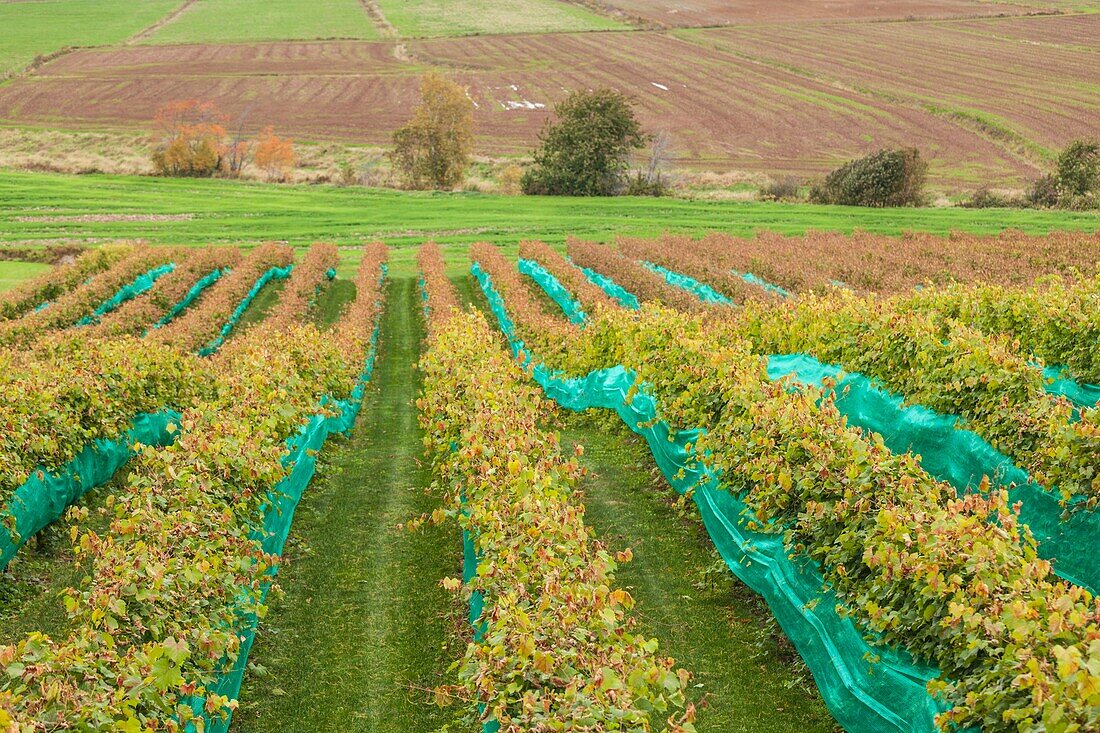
[(885, 178), (1079, 169), (586, 152)]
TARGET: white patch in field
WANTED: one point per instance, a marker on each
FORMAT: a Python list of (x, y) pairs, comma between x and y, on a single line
[(472, 100), (522, 104), (659, 86)]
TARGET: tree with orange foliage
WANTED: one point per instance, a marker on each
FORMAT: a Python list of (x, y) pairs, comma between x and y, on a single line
[(189, 139), (274, 154)]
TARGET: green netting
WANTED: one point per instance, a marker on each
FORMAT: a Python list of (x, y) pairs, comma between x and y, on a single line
[(612, 288), (702, 291), (47, 494), (960, 457), (282, 502), (867, 687), (141, 284), (275, 273), (42, 306), (761, 282), (557, 292), (195, 291), (1063, 384)]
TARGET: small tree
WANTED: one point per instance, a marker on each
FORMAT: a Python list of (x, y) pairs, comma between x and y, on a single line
[(885, 178), (587, 151), (1079, 168), (189, 139), (433, 148), (274, 155)]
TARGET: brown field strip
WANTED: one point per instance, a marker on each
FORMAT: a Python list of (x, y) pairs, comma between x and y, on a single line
[(996, 71), (767, 98), (694, 13)]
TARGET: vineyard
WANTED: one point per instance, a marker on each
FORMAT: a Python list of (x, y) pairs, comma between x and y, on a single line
[(797, 483)]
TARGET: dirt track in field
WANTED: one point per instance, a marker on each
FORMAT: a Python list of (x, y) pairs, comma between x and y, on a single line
[(773, 99)]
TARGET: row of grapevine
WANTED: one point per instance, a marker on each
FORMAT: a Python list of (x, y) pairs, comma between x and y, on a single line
[(954, 581), (160, 627), (298, 296), (572, 278), (820, 261), (81, 302), (207, 321), (643, 284), (50, 285), (1054, 319), (948, 367), (946, 450), (678, 254), (171, 294), (59, 402), (554, 646)]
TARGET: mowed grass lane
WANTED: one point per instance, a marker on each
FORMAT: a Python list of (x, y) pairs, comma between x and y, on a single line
[(362, 627), (97, 208)]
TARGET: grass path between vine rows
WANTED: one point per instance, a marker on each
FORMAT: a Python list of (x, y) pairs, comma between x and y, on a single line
[(712, 624), (362, 624)]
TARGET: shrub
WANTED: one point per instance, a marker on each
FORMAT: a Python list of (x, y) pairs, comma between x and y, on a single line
[(433, 148), (1079, 169), (189, 139), (510, 180), (586, 152), (987, 198), (885, 178), (1044, 191), (780, 189), (274, 155), (642, 185)]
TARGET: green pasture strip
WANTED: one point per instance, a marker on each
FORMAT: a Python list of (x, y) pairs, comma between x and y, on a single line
[(235, 212), (228, 21), (43, 27), (362, 626), (480, 17)]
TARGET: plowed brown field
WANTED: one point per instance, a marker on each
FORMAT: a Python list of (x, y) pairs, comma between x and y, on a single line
[(984, 99), (1038, 79), (688, 13)]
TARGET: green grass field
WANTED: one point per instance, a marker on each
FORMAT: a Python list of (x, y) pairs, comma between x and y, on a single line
[(229, 21), (45, 26), (37, 207), (470, 17), (13, 272)]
